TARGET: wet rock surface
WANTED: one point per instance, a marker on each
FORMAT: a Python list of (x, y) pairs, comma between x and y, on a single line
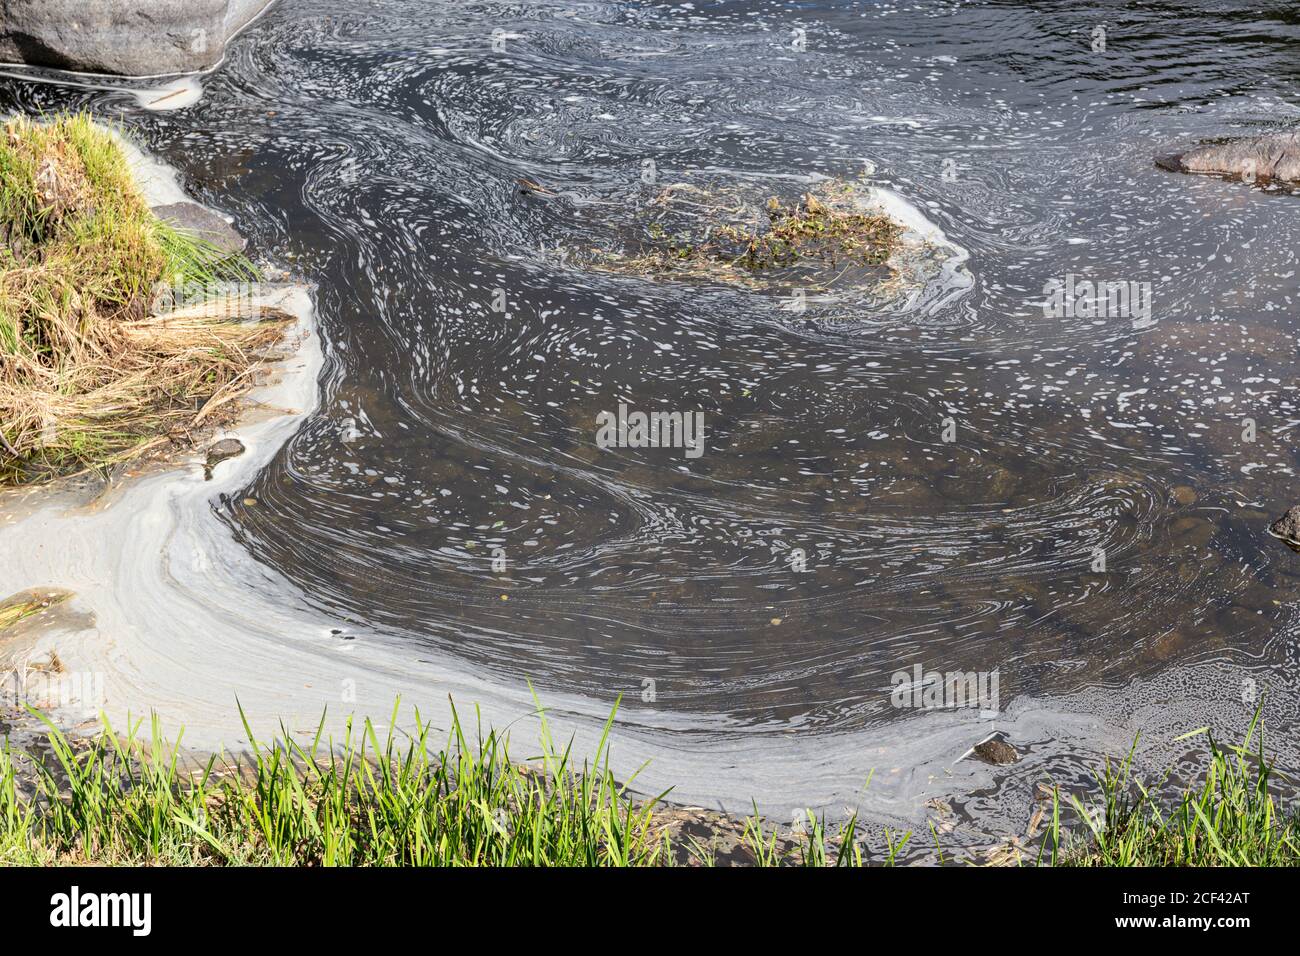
[(202, 222), (219, 452), (1287, 527), (129, 37), (1272, 158)]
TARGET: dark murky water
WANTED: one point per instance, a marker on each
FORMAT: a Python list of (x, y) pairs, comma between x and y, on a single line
[(376, 147)]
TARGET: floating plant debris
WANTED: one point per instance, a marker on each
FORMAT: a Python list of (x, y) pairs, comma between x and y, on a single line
[(827, 236)]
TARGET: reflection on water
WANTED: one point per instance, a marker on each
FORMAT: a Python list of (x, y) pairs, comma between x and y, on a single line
[(1099, 512)]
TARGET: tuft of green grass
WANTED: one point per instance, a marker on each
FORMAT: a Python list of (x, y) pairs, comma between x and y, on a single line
[(1231, 818), (89, 375)]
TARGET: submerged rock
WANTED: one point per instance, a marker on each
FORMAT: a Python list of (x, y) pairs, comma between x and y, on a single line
[(203, 222), (1271, 158), (219, 452), (130, 37), (996, 751)]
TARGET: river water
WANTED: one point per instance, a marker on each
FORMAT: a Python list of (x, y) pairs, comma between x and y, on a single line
[(1094, 529)]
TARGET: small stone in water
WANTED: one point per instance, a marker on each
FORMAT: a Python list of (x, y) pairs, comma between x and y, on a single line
[(1287, 527), (219, 452), (996, 752)]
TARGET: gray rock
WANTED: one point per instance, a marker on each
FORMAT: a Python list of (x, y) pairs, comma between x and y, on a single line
[(219, 452), (129, 37), (1273, 158), (203, 222), (1287, 527)]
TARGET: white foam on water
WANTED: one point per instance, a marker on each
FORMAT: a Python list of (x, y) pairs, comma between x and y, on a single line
[(173, 95), (941, 265), (176, 93), (157, 180)]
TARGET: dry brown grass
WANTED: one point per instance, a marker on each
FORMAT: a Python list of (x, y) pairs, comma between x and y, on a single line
[(89, 376)]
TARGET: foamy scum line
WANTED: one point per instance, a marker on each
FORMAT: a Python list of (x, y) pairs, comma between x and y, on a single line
[(181, 623)]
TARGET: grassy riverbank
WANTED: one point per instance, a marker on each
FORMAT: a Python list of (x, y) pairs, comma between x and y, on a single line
[(89, 374), (1230, 818), (390, 801), (369, 801)]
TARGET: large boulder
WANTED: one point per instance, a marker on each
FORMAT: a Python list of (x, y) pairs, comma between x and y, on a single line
[(128, 37), (1272, 158)]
